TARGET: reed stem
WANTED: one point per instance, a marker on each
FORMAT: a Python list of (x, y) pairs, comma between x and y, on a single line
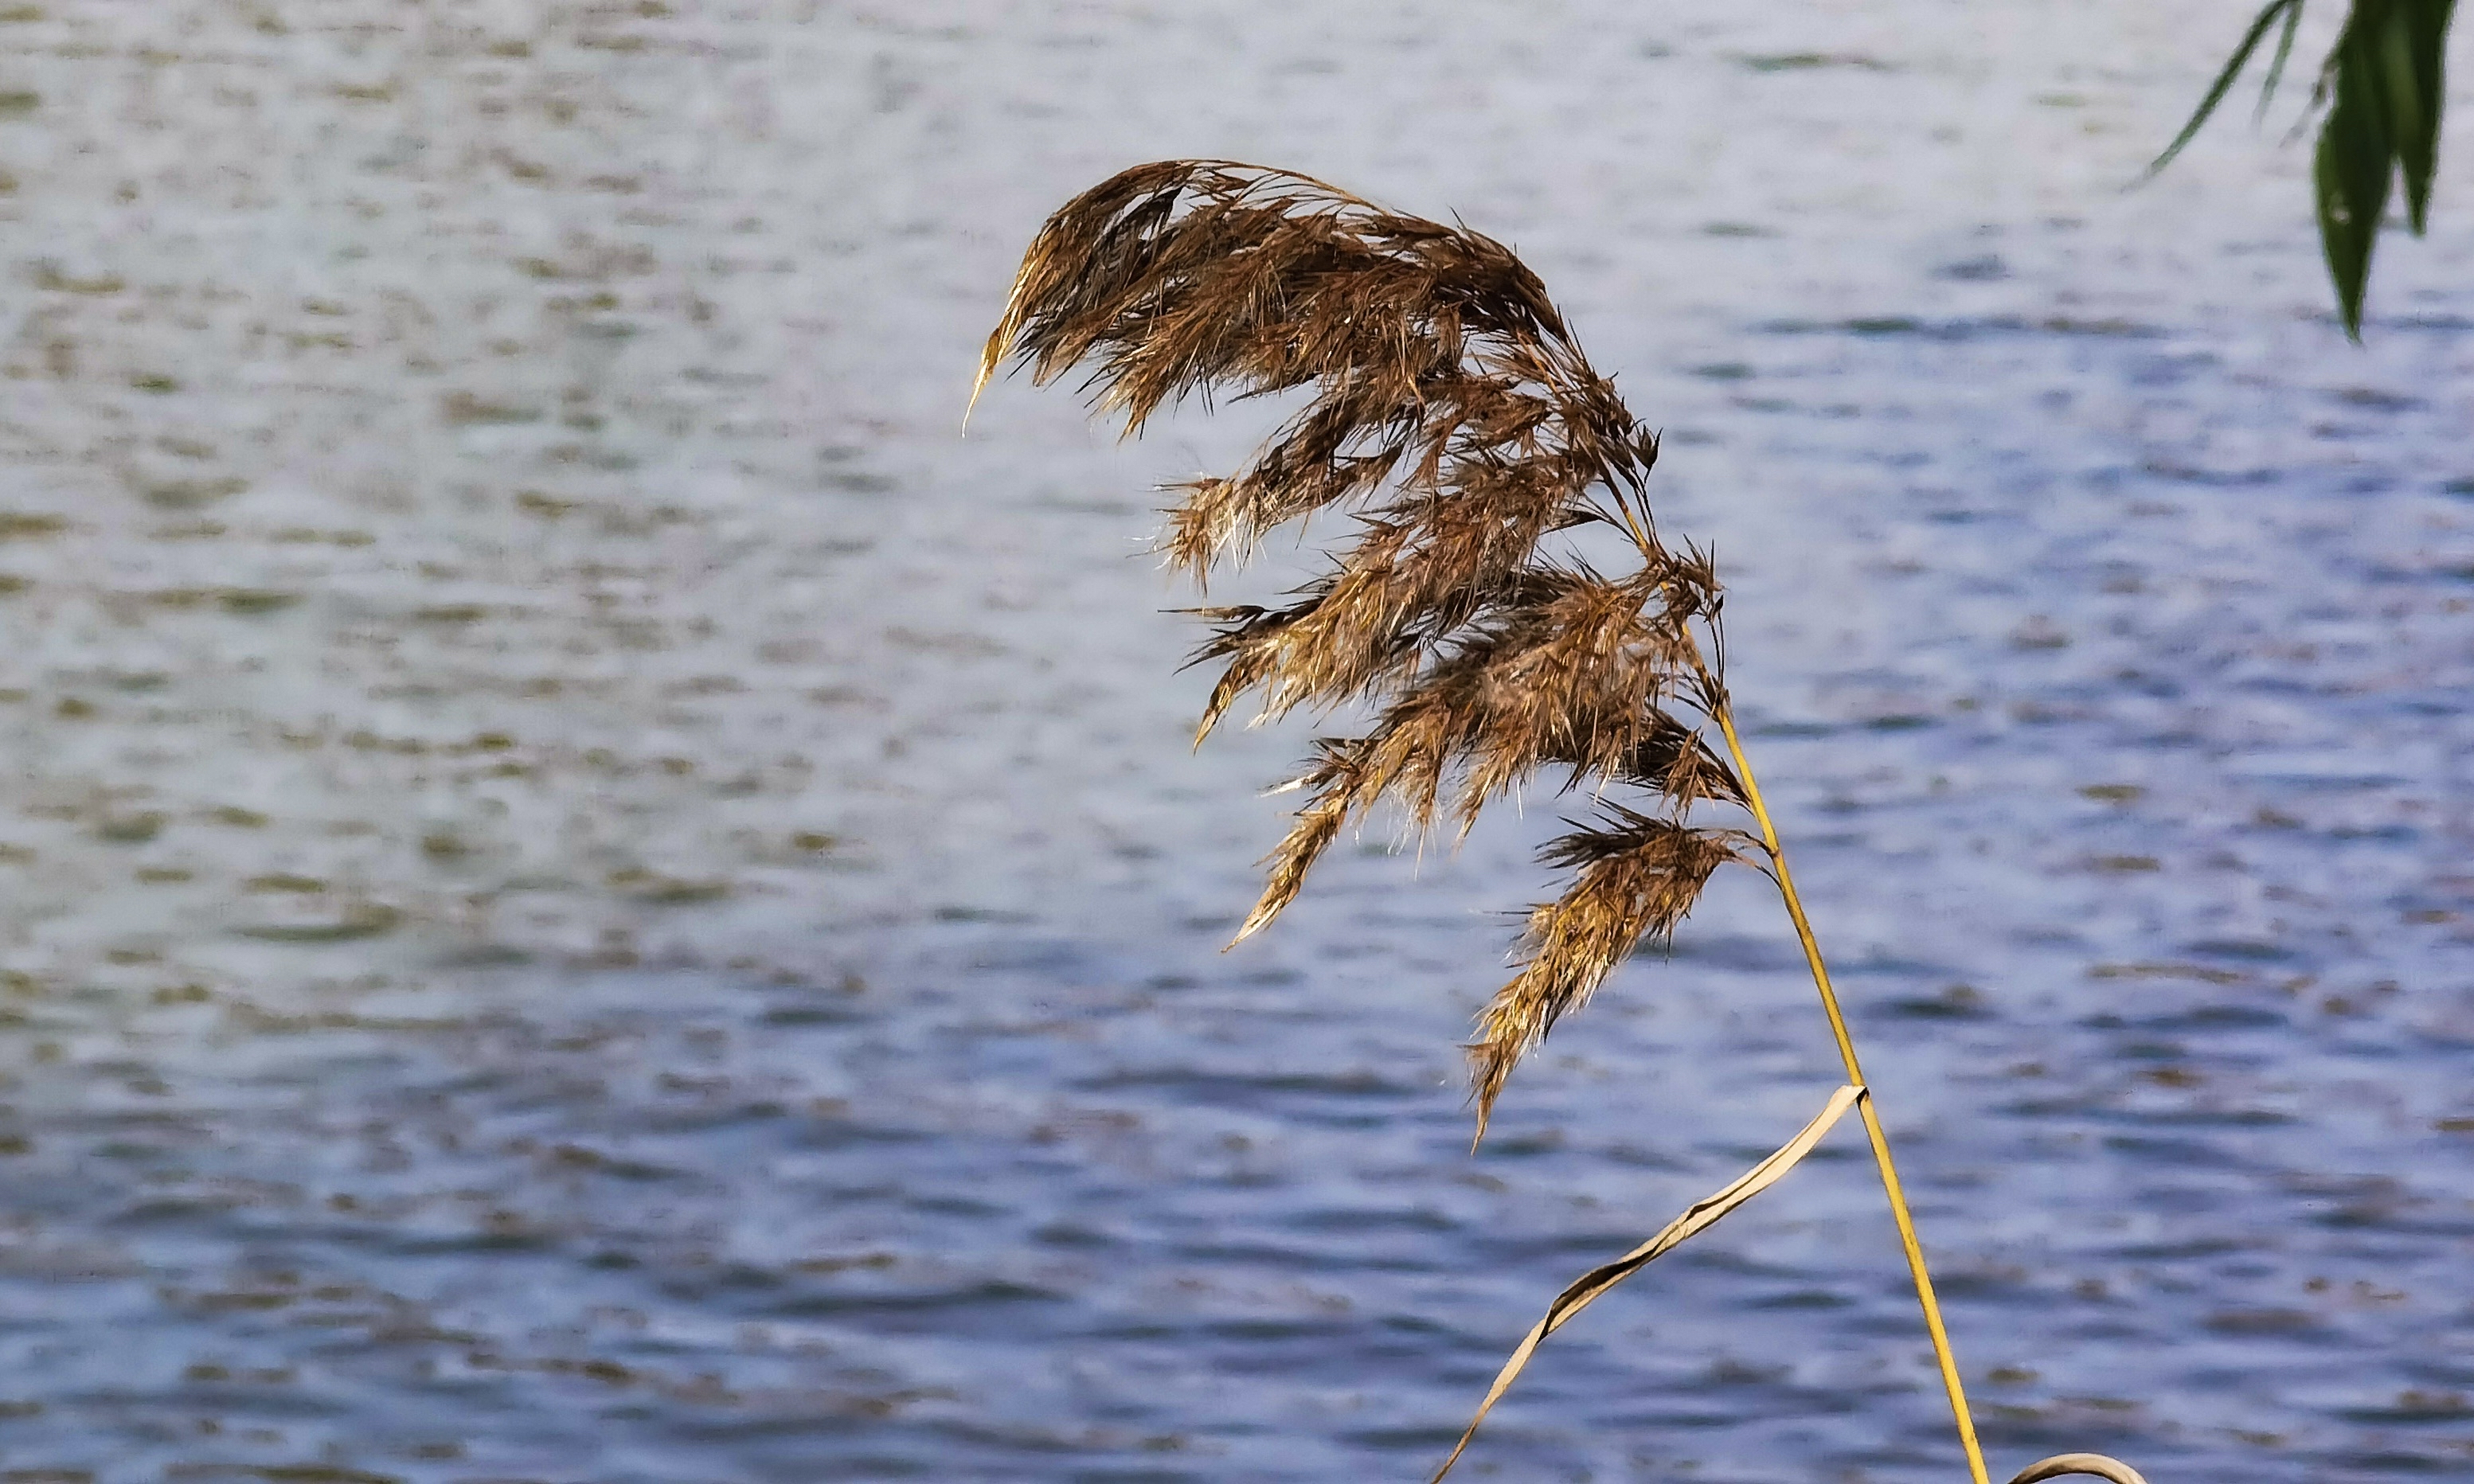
[(1457, 416), (1880, 1141)]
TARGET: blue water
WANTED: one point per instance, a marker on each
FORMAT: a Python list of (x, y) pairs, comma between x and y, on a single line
[(592, 895)]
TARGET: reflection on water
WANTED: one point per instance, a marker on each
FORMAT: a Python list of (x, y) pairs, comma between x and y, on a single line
[(593, 895)]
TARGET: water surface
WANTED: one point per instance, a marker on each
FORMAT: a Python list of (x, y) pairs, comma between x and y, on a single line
[(593, 895)]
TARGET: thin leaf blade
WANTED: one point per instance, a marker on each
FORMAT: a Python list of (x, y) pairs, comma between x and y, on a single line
[(2276, 64), (2267, 17), (1696, 1219), (2416, 52)]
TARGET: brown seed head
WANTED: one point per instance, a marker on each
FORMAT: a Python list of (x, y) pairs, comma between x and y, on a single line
[(1453, 415)]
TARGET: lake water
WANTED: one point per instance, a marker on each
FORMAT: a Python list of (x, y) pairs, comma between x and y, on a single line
[(592, 896)]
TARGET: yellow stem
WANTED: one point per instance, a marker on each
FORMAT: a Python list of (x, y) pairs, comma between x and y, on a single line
[(1872, 1120)]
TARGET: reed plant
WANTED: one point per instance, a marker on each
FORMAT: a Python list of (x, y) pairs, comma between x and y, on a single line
[(1454, 422)]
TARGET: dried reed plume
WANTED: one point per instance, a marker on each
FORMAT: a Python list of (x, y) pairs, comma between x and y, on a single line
[(1454, 420)]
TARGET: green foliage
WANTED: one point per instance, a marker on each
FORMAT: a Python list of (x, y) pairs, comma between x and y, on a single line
[(2291, 13), (2383, 85)]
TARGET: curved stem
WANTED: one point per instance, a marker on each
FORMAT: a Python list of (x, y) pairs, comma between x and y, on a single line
[(1724, 714)]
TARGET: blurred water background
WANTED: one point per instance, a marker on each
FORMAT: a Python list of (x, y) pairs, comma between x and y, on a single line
[(589, 894)]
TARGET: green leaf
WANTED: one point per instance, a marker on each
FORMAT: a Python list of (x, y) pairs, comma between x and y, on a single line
[(2276, 64), (2414, 51), (2384, 87), (2292, 11), (2351, 170)]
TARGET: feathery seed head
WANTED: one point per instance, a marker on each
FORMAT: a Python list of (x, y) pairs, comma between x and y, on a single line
[(1455, 417)]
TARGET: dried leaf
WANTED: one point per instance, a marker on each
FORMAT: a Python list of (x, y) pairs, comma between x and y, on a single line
[(1696, 1219), (2096, 1464)]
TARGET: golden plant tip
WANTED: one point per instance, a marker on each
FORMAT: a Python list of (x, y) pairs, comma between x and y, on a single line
[(992, 353), (1697, 1218), (2095, 1464), (979, 384), (990, 356)]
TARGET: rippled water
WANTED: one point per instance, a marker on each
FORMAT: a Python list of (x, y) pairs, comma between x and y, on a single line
[(592, 896)]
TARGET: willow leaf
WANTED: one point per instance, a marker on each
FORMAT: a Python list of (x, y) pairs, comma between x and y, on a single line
[(2276, 64), (2415, 50), (2351, 169), (2291, 10)]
